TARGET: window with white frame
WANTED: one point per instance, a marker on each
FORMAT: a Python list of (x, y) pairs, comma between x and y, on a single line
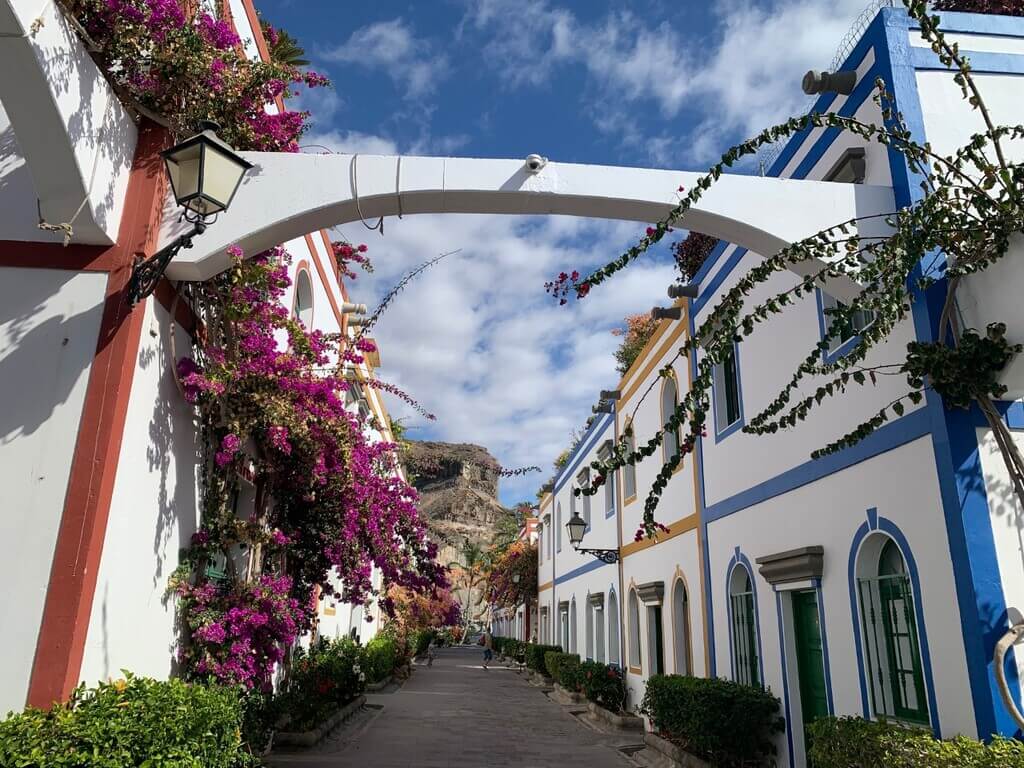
[(727, 391), (558, 526), (846, 329), (599, 632)]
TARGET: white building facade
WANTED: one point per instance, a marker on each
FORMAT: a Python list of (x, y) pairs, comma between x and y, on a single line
[(872, 582)]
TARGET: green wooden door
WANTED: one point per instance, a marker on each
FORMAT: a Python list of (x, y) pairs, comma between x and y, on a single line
[(810, 659)]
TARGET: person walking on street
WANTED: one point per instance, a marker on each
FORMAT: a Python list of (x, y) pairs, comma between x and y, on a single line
[(488, 644)]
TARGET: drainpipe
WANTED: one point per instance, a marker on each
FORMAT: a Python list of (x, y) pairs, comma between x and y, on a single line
[(621, 596)]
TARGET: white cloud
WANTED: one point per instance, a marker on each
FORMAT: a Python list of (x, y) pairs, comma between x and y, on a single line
[(744, 72), (478, 342), (392, 46)]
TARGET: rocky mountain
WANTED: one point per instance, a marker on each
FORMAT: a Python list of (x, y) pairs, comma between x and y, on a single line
[(458, 487)]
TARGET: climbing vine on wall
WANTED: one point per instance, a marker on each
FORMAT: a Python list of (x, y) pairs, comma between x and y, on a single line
[(972, 204), (323, 499)]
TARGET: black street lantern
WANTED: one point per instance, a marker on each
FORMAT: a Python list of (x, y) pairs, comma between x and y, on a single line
[(577, 527), (205, 174)]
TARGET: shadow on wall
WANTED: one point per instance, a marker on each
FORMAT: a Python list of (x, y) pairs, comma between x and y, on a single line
[(43, 361), (173, 446)]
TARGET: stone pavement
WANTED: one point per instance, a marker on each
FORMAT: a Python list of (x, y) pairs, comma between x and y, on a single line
[(457, 714)]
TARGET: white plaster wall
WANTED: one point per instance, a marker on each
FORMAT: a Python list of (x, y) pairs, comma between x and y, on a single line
[(991, 295), (678, 499), (49, 325), (666, 562), (902, 484), (1007, 520), (153, 513)]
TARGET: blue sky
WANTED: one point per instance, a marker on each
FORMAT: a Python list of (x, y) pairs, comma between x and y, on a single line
[(644, 83)]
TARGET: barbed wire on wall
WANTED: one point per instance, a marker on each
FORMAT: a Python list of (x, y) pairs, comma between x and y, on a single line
[(767, 156)]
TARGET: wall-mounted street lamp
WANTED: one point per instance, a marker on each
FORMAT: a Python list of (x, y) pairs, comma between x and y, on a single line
[(205, 174), (577, 527)]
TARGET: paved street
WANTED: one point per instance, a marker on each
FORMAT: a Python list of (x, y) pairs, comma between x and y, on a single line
[(458, 714)]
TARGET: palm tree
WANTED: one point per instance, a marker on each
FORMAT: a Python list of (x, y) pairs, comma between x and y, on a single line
[(472, 565), (284, 49)]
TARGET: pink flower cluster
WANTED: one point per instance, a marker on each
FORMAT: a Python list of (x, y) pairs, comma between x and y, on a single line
[(346, 253), (239, 634), (337, 494), (565, 284)]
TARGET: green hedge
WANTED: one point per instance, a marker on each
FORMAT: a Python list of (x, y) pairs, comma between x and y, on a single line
[(851, 742), (322, 680), (603, 684), (515, 649), (132, 722), (535, 656), (422, 641), (379, 657), (724, 722), (556, 661)]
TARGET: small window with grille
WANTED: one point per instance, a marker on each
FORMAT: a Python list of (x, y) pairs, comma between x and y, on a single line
[(892, 647), (746, 664)]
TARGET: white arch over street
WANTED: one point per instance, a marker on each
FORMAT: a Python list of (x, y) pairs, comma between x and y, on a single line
[(287, 195)]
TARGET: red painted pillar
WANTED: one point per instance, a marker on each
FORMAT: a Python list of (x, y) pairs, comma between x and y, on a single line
[(68, 607)]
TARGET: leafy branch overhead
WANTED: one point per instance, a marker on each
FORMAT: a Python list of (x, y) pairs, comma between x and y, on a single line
[(971, 205)]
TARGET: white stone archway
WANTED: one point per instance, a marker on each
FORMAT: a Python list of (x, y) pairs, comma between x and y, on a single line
[(287, 195)]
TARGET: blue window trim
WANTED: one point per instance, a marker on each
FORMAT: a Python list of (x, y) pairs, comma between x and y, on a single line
[(739, 560), (843, 349), (721, 434), (877, 523)]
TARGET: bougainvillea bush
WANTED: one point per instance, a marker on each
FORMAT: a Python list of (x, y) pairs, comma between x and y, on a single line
[(329, 502), (415, 614), (322, 680), (179, 70), (518, 559), (635, 335)]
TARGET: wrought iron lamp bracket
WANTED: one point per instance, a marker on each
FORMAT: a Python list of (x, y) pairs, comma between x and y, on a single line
[(609, 556), (146, 273)]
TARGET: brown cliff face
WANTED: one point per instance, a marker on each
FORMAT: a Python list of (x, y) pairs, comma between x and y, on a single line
[(458, 487)]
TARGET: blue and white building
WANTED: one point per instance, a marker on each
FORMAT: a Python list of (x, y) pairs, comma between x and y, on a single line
[(872, 582)]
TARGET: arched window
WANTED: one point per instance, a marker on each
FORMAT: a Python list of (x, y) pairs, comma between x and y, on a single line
[(889, 620), (303, 298), (669, 401), (558, 526), (613, 629), (599, 654), (572, 627), (589, 630), (633, 634), (746, 664), (629, 471), (681, 628)]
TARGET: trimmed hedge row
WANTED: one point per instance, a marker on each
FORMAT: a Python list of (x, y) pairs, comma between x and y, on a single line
[(135, 721), (603, 684), (852, 742), (721, 721), (379, 657), (323, 679), (563, 668), (534, 656)]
